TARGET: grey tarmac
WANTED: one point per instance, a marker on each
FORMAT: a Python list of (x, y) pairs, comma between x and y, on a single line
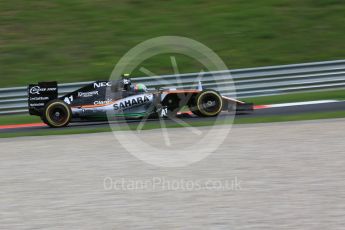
[(288, 176)]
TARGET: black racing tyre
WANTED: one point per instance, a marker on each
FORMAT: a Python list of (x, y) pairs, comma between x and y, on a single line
[(57, 114), (208, 103), (195, 111), (172, 102)]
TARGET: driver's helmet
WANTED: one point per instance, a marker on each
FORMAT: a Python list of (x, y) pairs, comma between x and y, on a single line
[(139, 88), (126, 84)]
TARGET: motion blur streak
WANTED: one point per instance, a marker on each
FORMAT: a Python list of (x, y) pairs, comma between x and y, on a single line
[(22, 126)]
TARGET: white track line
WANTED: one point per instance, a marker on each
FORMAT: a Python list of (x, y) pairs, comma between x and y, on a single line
[(302, 103)]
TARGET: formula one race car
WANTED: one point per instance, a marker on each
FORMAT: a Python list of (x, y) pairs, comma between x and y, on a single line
[(102, 100)]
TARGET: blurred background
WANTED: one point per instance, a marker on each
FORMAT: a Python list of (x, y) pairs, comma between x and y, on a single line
[(82, 40)]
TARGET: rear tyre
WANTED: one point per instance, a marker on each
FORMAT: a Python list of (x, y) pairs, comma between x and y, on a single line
[(57, 114), (207, 103), (44, 120)]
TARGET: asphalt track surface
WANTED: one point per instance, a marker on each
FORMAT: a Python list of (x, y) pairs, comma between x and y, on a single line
[(289, 110), (289, 175)]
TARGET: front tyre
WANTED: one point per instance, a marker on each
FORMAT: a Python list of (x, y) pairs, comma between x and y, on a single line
[(208, 103), (57, 114)]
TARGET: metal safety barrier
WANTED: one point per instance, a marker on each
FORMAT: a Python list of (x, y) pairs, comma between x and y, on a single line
[(251, 82)]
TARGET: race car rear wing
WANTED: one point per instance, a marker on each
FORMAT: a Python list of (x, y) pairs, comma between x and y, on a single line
[(39, 95)]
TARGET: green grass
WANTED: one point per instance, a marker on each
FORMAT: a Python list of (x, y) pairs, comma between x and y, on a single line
[(298, 97), (156, 125), (18, 119), (82, 40)]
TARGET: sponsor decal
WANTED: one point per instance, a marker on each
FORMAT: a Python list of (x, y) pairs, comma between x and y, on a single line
[(39, 98), (103, 102), (69, 99), (36, 104), (131, 102), (87, 112), (37, 90), (163, 112), (101, 84), (87, 94)]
